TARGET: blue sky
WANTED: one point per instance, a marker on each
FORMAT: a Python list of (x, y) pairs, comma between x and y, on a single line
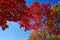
[(14, 32)]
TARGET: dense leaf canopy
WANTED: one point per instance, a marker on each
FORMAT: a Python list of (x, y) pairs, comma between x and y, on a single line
[(28, 17)]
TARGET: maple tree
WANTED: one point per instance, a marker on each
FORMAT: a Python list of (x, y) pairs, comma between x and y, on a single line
[(36, 13), (52, 25), (28, 17), (11, 10)]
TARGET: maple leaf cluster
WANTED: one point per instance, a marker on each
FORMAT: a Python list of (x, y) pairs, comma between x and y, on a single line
[(11, 10), (28, 17)]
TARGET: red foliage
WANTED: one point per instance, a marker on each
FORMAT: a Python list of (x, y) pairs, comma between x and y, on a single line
[(11, 10), (36, 12), (17, 11), (56, 31)]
